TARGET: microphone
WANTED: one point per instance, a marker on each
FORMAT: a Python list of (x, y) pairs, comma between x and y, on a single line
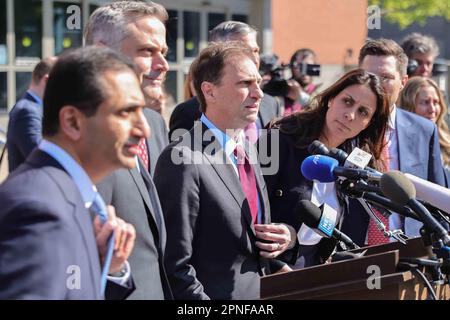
[(375, 196), (358, 159), (323, 224), (432, 193), (326, 169), (317, 147), (396, 186)]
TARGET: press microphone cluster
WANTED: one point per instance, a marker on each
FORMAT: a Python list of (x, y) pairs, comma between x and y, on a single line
[(323, 224), (435, 195), (393, 190), (358, 159), (397, 187), (326, 169)]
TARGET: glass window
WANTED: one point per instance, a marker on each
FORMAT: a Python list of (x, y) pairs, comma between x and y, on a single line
[(240, 17), (23, 80), (28, 28), (3, 50), (3, 92), (92, 8), (214, 19), (66, 26), (170, 84), (172, 35), (191, 27)]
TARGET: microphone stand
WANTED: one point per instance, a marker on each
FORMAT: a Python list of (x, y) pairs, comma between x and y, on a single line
[(438, 263), (365, 193)]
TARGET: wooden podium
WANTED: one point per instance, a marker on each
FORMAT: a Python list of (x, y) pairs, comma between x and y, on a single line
[(349, 279)]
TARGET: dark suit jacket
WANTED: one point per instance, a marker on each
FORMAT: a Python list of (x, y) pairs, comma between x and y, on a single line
[(419, 154), (186, 113), (211, 250), (286, 187), (134, 197), (24, 130), (158, 136), (45, 230)]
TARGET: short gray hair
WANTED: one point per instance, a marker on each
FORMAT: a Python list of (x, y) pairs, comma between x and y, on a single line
[(107, 24), (230, 30), (419, 43)]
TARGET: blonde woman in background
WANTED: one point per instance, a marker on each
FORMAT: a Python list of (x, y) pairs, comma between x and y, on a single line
[(423, 97)]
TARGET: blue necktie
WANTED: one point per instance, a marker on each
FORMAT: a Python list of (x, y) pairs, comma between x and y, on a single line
[(98, 207)]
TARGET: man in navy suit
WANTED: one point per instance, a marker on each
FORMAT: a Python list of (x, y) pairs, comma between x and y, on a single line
[(412, 140), (25, 118), (49, 247), (186, 113)]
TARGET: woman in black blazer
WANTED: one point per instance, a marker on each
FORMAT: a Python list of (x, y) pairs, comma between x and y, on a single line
[(353, 112)]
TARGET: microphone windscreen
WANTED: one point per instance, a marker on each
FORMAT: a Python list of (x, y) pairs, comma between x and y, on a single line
[(319, 168), (339, 155), (397, 187), (317, 147), (309, 213)]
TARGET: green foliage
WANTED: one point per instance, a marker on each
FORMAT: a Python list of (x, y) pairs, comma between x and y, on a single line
[(406, 12)]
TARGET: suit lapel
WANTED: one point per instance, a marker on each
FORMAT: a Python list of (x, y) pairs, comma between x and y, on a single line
[(85, 226), (73, 197), (154, 201), (216, 156), (406, 159), (139, 180), (152, 156)]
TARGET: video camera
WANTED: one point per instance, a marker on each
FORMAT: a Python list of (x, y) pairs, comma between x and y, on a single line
[(280, 73), (439, 68)]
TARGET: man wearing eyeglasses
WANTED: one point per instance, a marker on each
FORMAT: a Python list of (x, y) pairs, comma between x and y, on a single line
[(412, 141)]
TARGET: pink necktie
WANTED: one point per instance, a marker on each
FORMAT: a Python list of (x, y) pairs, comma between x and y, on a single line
[(251, 132), (143, 153), (248, 180)]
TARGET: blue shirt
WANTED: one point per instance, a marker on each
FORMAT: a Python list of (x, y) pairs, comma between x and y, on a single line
[(79, 176)]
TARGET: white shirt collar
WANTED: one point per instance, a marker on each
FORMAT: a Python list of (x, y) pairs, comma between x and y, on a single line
[(79, 176), (392, 117)]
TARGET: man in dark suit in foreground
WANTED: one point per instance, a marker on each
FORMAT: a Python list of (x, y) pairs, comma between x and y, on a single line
[(131, 191), (217, 213), (49, 247), (25, 118), (186, 113)]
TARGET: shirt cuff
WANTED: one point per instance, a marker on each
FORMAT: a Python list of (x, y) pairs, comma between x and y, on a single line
[(122, 281)]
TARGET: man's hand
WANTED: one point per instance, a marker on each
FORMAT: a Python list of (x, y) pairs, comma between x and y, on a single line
[(125, 236), (278, 238), (284, 269)]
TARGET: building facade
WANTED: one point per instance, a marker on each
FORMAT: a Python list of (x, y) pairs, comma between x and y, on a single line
[(33, 29)]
